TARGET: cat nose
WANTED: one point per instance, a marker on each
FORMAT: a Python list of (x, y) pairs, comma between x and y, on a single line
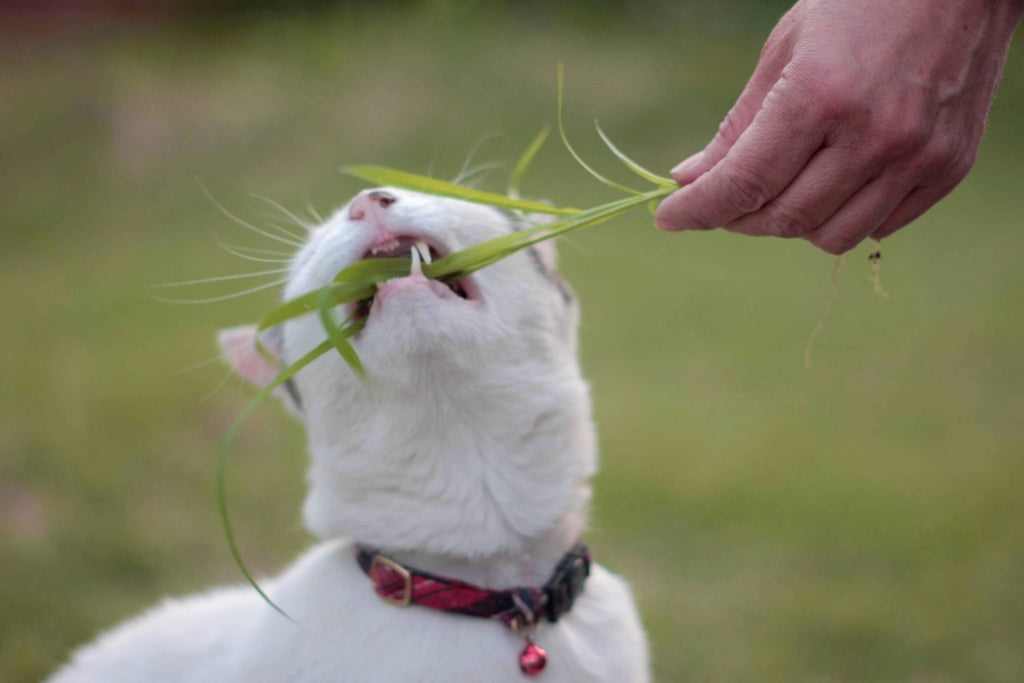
[(370, 201)]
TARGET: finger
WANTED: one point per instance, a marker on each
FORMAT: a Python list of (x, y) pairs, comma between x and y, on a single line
[(910, 209), (861, 215), (766, 74), (690, 168), (830, 178), (765, 159)]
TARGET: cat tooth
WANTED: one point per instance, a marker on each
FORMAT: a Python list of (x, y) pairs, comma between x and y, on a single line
[(424, 251), (416, 266)]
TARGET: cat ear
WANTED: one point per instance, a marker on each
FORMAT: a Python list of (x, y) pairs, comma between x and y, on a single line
[(238, 344), (548, 254)]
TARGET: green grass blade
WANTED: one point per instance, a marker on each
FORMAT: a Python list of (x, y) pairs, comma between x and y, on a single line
[(632, 165), (525, 160), (225, 450), (293, 308), (373, 270), (579, 160), (597, 215), (411, 181), (478, 256), (353, 283), (467, 260), (342, 292), (358, 281), (325, 303)]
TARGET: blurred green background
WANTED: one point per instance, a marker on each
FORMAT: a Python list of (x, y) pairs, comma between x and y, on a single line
[(861, 521)]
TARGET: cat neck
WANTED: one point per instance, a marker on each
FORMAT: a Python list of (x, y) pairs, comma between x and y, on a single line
[(533, 565), (475, 480)]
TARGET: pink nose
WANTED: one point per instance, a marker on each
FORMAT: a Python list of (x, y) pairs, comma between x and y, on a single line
[(370, 202)]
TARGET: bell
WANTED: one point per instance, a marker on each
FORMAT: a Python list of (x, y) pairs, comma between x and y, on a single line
[(532, 659)]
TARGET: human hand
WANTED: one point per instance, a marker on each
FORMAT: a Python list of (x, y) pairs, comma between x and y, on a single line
[(858, 118)]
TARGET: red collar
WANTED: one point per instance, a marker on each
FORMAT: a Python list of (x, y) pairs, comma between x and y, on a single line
[(517, 608)]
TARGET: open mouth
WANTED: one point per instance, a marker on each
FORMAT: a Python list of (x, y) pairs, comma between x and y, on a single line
[(419, 251)]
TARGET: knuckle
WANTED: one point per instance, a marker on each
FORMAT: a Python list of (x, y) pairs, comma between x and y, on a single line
[(938, 160), (962, 154), (731, 126), (837, 103), (961, 166), (903, 127), (892, 138), (833, 94), (945, 159), (789, 221), (910, 132), (744, 190)]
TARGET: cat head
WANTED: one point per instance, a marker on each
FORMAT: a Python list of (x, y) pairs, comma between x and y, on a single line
[(472, 406)]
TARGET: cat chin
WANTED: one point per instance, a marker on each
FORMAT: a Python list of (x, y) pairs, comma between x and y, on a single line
[(416, 340), (418, 311)]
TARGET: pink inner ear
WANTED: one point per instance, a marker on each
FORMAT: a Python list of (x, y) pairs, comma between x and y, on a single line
[(239, 346), (548, 254)]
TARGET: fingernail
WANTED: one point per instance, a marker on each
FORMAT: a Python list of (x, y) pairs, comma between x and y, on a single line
[(688, 164)]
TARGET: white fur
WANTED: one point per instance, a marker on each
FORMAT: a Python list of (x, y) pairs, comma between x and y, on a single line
[(466, 453)]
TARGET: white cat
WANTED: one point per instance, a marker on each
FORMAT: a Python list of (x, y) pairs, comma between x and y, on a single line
[(465, 454)]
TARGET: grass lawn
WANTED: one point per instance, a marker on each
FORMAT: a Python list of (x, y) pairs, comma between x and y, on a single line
[(861, 521)]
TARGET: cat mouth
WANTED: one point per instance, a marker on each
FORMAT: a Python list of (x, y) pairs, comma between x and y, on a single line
[(419, 251)]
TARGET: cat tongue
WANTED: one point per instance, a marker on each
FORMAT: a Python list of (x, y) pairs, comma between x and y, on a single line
[(415, 280)]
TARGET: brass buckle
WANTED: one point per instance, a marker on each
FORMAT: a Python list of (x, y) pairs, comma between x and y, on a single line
[(382, 560)]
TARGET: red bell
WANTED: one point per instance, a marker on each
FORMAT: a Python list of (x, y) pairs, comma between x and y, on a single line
[(532, 659)]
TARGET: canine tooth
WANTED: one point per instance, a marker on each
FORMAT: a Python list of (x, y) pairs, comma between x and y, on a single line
[(415, 256), (424, 251)]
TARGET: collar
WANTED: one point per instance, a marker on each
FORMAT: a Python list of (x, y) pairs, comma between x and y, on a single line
[(516, 608)]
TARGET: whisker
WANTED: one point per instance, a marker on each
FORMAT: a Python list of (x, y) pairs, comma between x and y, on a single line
[(574, 244), (284, 230), (222, 278), (236, 219), (215, 299), (255, 250), (313, 212), (433, 161), (298, 221), (220, 385), (220, 357), (472, 152), (478, 173), (258, 259)]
